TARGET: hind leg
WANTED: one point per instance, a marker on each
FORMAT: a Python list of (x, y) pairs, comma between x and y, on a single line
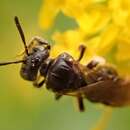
[(92, 64), (80, 104), (95, 61)]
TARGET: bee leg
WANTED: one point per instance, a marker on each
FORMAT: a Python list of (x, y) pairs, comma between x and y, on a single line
[(80, 104), (58, 96), (82, 49), (92, 64), (38, 85)]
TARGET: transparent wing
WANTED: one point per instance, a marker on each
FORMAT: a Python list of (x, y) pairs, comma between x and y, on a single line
[(109, 92)]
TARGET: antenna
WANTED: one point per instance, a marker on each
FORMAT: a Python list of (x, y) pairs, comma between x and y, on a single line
[(21, 33), (11, 62)]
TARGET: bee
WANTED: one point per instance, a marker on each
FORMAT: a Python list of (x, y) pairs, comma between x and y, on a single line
[(65, 75)]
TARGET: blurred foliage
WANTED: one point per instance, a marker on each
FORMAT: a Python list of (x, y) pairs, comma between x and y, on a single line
[(24, 107), (102, 25)]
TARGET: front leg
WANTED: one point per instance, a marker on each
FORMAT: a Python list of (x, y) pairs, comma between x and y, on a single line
[(38, 84), (58, 96)]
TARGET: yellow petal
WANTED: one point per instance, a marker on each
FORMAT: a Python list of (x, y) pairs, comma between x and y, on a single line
[(120, 11), (123, 52), (74, 8), (108, 39), (94, 19), (70, 40), (48, 12)]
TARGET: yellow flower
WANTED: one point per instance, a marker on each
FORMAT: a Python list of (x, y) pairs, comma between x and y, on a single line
[(102, 26), (108, 38), (48, 12), (120, 11), (66, 41)]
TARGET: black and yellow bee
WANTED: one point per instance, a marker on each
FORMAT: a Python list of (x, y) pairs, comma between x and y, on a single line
[(64, 75)]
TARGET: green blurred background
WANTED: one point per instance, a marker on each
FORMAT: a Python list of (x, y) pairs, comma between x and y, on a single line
[(23, 107)]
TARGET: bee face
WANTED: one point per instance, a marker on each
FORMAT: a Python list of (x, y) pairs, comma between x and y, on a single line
[(32, 62)]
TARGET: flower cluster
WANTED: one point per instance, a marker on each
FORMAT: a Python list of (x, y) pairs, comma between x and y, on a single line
[(103, 26)]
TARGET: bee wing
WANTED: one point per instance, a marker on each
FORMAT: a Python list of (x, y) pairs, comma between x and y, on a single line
[(109, 92)]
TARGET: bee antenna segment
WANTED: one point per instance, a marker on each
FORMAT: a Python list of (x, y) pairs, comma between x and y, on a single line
[(21, 33)]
